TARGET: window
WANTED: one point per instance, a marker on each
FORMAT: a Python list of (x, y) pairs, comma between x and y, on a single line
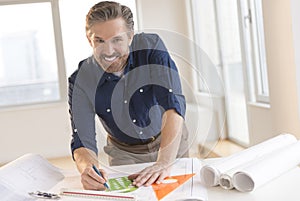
[(231, 34), (254, 49), (28, 55)]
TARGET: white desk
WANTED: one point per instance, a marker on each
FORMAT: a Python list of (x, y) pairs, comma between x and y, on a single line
[(284, 188)]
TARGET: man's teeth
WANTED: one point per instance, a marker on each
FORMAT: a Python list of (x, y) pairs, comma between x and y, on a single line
[(110, 58)]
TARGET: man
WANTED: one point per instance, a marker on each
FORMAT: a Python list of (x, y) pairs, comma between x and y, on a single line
[(132, 85)]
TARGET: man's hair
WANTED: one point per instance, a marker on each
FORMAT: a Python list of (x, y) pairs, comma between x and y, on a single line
[(108, 10)]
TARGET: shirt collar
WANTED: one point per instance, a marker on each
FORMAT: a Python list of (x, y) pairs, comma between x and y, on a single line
[(110, 76)]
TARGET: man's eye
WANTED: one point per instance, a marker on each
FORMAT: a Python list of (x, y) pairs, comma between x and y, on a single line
[(117, 40), (99, 41)]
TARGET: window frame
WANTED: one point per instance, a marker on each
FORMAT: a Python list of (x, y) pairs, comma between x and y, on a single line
[(254, 51), (200, 86), (59, 52)]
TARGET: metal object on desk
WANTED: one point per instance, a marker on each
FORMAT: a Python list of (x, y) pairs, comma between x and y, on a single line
[(44, 195)]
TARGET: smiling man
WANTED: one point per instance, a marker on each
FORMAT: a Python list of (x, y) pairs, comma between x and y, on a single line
[(110, 41), (132, 85)]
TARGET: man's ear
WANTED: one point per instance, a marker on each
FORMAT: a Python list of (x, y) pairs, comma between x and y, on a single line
[(89, 39), (130, 36)]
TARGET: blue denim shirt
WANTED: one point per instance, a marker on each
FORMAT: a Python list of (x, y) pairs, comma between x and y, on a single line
[(130, 107)]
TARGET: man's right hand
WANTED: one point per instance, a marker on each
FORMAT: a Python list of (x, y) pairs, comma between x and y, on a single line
[(85, 159), (91, 180)]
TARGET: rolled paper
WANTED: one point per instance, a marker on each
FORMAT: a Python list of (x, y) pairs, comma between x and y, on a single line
[(226, 181), (226, 178), (210, 173), (267, 167)]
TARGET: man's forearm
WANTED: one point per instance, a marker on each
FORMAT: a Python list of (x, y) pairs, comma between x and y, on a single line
[(170, 137), (84, 158)]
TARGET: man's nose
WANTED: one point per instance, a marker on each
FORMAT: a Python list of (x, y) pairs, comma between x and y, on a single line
[(108, 48)]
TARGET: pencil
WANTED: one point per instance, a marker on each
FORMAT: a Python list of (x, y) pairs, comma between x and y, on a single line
[(99, 173)]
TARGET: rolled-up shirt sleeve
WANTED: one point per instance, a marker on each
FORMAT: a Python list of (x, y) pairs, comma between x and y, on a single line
[(169, 92), (82, 113)]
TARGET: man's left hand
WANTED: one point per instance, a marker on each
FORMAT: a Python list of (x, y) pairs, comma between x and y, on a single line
[(155, 173)]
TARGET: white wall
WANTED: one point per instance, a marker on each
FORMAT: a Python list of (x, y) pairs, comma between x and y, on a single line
[(42, 129)]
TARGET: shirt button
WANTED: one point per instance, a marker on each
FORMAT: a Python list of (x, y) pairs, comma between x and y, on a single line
[(134, 120), (107, 110), (75, 130), (108, 77), (141, 90), (125, 101), (141, 132), (170, 90)]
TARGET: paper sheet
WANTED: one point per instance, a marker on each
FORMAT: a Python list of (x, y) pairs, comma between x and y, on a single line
[(192, 189), (210, 174), (267, 167), (8, 194), (28, 173)]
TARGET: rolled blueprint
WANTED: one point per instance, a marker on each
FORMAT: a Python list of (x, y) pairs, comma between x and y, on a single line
[(210, 174), (226, 178), (267, 167)]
